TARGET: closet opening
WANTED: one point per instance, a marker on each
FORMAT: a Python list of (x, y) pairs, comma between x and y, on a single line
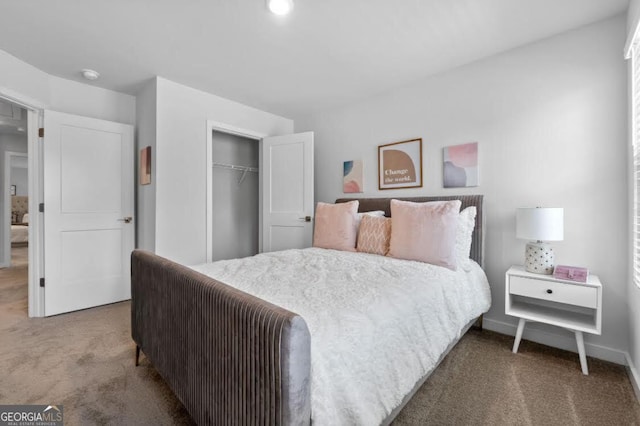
[(234, 194)]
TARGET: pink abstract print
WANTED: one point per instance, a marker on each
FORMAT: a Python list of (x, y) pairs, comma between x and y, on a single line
[(352, 177), (460, 166)]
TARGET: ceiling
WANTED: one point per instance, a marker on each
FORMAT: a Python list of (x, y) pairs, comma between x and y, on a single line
[(13, 119), (324, 54)]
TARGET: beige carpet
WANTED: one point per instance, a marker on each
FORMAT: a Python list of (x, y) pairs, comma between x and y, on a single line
[(84, 361)]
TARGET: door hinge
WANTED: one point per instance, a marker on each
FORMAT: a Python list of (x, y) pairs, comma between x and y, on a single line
[(41, 282), (41, 207), (41, 132)]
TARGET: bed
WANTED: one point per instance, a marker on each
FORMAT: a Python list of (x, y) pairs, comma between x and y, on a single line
[(19, 234), (19, 220), (235, 350)]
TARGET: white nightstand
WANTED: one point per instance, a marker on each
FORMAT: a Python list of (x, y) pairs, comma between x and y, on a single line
[(542, 298)]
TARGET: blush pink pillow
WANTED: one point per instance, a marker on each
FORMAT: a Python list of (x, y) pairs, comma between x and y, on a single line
[(425, 231), (335, 226), (374, 235)]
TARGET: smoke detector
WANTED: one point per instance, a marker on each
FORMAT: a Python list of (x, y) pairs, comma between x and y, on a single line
[(90, 74)]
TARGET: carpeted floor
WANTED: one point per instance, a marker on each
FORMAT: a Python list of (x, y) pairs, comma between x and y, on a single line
[(84, 361)]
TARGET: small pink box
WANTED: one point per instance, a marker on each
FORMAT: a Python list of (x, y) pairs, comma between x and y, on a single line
[(571, 273)]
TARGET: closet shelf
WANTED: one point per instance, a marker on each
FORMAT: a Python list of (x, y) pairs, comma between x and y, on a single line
[(235, 167), (243, 169)]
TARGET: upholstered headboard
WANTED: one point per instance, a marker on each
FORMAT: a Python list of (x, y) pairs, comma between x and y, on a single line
[(20, 206), (477, 244)]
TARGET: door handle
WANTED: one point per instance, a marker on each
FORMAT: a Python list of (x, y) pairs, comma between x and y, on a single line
[(126, 219), (306, 218)]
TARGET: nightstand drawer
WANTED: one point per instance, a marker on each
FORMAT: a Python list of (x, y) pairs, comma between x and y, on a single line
[(553, 291)]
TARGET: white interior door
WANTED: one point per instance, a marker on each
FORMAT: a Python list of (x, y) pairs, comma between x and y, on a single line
[(88, 193), (287, 191)]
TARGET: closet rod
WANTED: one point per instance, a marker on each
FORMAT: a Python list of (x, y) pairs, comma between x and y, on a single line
[(235, 167)]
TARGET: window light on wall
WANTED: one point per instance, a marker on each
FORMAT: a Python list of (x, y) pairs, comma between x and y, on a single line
[(633, 53)]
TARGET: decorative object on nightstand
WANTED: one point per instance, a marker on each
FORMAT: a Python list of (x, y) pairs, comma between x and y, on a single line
[(571, 273), (538, 298), (540, 224)]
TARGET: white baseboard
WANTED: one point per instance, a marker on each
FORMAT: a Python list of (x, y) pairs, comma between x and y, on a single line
[(567, 343), (633, 376)]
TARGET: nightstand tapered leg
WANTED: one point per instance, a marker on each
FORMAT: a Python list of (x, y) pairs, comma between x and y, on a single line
[(516, 343), (583, 356)]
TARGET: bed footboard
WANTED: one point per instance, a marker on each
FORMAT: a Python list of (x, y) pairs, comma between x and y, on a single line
[(230, 357)]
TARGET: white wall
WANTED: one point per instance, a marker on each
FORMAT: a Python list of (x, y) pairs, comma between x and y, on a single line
[(551, 121), (19, 77), (633, 15), (182, 114), (20, 180), (633, 293), (89, 101), (62, 95), (146, 194)]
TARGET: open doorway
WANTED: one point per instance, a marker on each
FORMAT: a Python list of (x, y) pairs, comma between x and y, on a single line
[(20, 118), (233, 155), (17, 208), (14, 214), (235, 192)]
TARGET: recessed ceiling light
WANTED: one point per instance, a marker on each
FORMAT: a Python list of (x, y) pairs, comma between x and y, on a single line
[(21, 129), (90, 74), (280, 7)]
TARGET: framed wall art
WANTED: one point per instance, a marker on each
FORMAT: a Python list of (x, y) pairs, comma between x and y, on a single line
[(145, 166), (460, 165), (352, 177), (400, 165)]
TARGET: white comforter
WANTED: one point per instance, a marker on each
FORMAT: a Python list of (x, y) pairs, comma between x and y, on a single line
[(377, 324)]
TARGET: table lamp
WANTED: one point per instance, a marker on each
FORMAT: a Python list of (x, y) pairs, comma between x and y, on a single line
[(539, 224)]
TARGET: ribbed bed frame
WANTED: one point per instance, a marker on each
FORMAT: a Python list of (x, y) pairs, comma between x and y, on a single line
[(230, 357)]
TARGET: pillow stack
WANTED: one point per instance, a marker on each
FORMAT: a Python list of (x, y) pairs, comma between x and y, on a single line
[(433, 232)]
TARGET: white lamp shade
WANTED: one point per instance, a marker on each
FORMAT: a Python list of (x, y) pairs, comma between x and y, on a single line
[(540, 223)]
